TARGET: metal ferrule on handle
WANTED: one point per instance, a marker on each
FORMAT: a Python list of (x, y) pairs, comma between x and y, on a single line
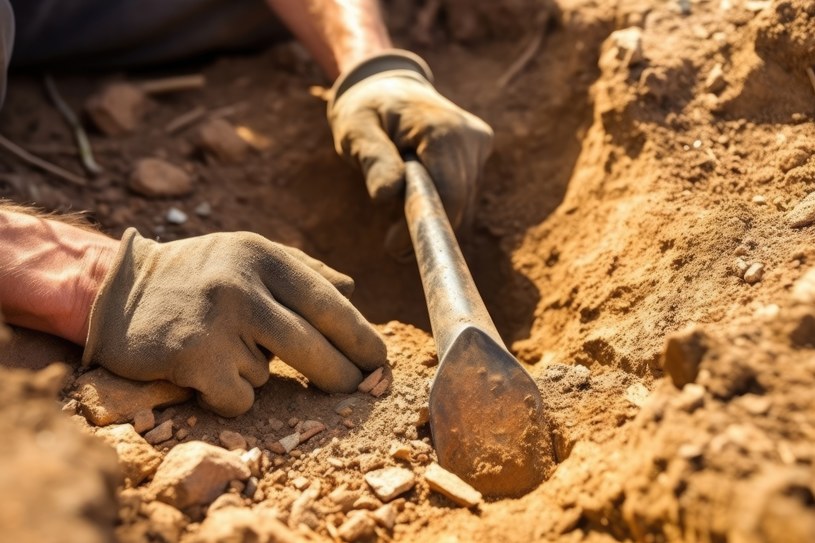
[(452, 298)]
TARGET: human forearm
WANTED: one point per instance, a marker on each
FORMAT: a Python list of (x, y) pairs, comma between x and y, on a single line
[(50, 272), (338, 33)]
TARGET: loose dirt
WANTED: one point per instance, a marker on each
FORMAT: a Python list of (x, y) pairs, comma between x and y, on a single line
[(642, 182)]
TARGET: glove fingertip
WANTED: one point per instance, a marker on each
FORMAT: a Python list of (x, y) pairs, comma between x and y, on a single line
[(385, 179)]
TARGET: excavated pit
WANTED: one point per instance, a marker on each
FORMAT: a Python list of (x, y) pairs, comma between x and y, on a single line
[(629, 192)]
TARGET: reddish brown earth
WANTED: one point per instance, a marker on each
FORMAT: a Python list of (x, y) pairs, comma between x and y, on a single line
[(632, 193)]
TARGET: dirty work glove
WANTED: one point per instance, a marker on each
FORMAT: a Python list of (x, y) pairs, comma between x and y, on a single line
[(387, 105), (204, 313)]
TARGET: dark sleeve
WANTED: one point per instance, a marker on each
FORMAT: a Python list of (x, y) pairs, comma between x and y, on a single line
[(6, 44)]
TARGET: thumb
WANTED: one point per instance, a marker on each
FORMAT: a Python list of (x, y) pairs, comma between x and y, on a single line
[(367, 143)]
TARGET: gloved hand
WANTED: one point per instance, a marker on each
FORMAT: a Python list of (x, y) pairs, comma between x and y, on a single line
[(204, 313), (387, 105)]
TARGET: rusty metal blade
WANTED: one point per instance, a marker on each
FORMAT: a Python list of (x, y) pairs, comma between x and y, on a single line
[(486, 415)]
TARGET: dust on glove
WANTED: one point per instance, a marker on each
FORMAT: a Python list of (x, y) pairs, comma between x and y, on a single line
[(205, 313), (386, 106)]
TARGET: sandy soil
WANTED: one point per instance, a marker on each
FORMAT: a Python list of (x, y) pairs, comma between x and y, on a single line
[(643, 182)]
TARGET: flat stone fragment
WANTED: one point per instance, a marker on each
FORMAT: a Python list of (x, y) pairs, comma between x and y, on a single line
[(196, 473), (290, 441), (117, 109), (156, 178), (388, 483), (754, 273), (357, 527), (385, 516), (108, 399), (372, 380), (451, 486), (219, 138), (380, 388), (137, 458), (232, 440), (162, 432), (144, 421), (803, 214)]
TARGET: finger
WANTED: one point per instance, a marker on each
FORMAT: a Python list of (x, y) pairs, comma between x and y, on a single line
[(305, 349), (341, 282), (367, 143), (453, 173), (254, 367), (311, 296), (225, 392)]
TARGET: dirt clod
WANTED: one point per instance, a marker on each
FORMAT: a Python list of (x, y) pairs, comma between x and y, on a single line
[(232, 440), (156, 178), (117, 109), (218, 138), (137, 458), (451, 486)]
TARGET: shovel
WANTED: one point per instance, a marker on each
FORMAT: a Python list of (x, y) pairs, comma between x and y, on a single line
[(486, 416)]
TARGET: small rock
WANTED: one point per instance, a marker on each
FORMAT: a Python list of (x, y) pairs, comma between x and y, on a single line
[(372, 380), (380, 388), (218, 138), (803, 214), (755, 404), (156, 178), (759, 199), (275, 446), (144, 420), (192, 421), (310, 429), (70, 407), (300, 483), (400, 451), (294, 421), (290, 441), (182, 434), (237, 486), (232, 440), (137, 458), (117, 109), (388, 483), (107, 399), (348, 423), (691, 398), (204, 209), (162, 432), (196, 473), (451, 486), (252, 460), (803, 291), (715, 81), (344, 498), (683, 353), (175, 216), (385, 516), (754, 273), (251, 487), (357, 527), (276, 424), (622, 48), (345, 407), (637, 394), (367, 502)]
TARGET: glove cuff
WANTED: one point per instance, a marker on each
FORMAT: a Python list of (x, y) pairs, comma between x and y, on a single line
[(387, 61), (100, 310)]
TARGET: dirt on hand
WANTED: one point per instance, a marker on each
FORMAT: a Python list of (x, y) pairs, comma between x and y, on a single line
[(643, 242)]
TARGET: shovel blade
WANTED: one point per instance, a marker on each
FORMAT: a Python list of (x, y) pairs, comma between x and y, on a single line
[(487, 420)]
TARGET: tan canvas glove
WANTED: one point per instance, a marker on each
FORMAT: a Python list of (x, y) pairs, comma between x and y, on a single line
[(204, 313), (386, 106)]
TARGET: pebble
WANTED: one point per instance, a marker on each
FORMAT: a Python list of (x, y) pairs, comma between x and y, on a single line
[(232, 440), (276, 424), (380, 388), (803, 214), (759, 199), (357, 526), (251, 487), (388, 483), (252, 459), (385, 516), (156, 178), (219, 138), (204, 209), (108, 399), (400, 451), (345, 407), (137, 458), (175, 216), (182, 434), (755, 404), (622, 48), (117, 109), (290, 442), (348, 423), (192, 421), (451, 486), (344, 498), (144, 420), (715, 81), (691, 398), (300, 483), (367, 502), (372, 380), (310, 429), (196, 473), (70, 407), (294, 421), (803, 291), (162, 432), (754, 273), (636, 394)]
